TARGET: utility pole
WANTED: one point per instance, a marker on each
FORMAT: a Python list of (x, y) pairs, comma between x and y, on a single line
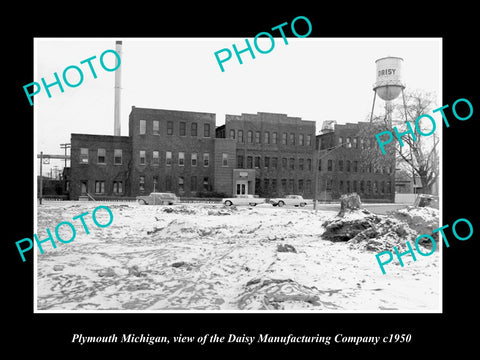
[(65, 146), (41, 178)]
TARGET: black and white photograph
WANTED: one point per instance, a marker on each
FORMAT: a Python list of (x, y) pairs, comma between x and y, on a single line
[(248, 189), (293, 181)]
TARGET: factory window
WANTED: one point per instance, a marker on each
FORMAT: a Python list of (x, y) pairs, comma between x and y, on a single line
[(355, 166), (292, 139), (101, 158), (240, 136), (340, 140), (292, 164), (355, 143), (308, 188), (206, 185), (224, 159), (240, 162), (329, 185), (267, 162), (284, 138), (309, 164), (375, 187), (193, 183), (156, 127), (349, 143), (362, 187), (382, 187), (340, 186), (274, 138), (340, 165), (249, 162), (193, 129), (291, 185), (284, 163), (141, 182), (300, 163), (169, 127), (274, 162), (83, 155), (143, 159), (156, 157), (249, 136), (155, 183), (232, 134), (309, 140), (257, 137), (274, 185), (143, 127), (284, 185), (348, 186), (100, 187), (300, 185), (330, 165), (348, 166), (266, 137), (181, 184), (117, 187), (117, 156), (266, 184), (181, 158), (168, 158), (206, 159), (369, 187), (183, 128), (354, 186), (389, 187), (193, 160), (257, 161), (300, 139), (206, 130)]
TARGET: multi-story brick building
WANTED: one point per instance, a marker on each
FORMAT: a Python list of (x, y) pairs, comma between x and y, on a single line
[(264, 153), (280, 149), (344, 168)]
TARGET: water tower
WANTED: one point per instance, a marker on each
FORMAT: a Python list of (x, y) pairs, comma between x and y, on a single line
[(389, 83)]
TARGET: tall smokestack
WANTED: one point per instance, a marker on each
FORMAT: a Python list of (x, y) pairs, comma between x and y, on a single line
[(118, 84)]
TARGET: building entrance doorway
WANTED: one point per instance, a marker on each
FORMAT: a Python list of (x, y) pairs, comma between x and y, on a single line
[(84, 187), (242, 187)]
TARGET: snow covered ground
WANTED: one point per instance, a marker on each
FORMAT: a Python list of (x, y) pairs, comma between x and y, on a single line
[(197, 257)]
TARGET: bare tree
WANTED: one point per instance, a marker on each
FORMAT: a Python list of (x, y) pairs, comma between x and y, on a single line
[(418, 154)]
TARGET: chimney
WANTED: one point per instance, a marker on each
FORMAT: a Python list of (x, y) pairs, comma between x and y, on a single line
[(118, 84)]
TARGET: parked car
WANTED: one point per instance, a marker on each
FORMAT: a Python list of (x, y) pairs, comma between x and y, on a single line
[(243, 200), (295, 200), (156, 198)]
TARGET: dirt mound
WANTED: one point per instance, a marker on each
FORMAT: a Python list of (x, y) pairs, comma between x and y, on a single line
[(421, 219), (281, 294), (366, 231), (383, 236), (349, 224)]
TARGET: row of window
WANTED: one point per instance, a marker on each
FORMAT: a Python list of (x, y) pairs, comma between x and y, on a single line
[(182, 128), (193, 186), (356, 143), (251, 161), (287, 138), (353, 166), (362, 186)]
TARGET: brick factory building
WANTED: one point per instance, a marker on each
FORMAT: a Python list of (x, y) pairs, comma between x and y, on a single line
[(184, 152)]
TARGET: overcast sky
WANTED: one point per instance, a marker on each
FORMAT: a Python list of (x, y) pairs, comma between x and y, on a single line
[(312, 78)]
